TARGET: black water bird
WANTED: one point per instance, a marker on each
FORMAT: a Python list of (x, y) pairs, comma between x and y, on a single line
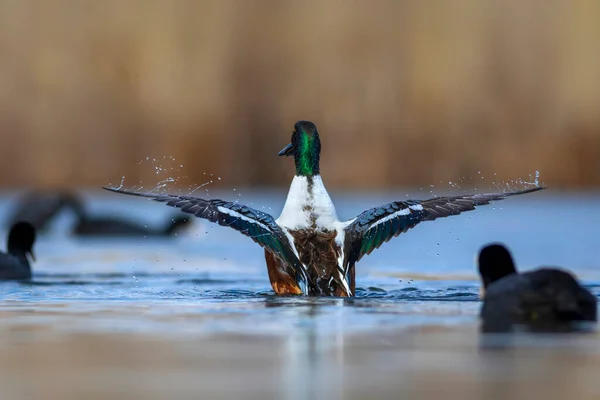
[(99, 226), (546, 299), (89, 225), (14, 264), (308, 250)]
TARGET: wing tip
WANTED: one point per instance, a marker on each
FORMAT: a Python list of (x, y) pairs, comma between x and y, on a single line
[(525, 191), (502, 195), (111, 188), (118, 189)]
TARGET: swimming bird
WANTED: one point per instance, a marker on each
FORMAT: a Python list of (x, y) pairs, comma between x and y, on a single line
[(115, 227), (14, 264), (308, 250), (542, 299), (111, 226)]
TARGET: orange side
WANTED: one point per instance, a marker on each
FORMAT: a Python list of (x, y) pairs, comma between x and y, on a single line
[(281, 282)]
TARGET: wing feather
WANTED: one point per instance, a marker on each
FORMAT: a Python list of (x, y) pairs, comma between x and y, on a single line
[(378, 225)]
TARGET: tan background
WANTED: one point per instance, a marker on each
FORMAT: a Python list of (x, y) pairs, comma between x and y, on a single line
[(404, 93)]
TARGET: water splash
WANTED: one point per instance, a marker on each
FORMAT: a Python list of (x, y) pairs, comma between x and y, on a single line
[(533, 182), (163, 183), (199, 187)]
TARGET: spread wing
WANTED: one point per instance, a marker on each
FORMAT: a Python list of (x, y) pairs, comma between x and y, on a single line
[(257, 225), (378, 225)]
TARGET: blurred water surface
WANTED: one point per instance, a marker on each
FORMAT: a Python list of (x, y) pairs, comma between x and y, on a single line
[(207, 292)]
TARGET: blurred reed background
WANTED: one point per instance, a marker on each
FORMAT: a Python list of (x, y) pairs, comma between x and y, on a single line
[(404, 93)]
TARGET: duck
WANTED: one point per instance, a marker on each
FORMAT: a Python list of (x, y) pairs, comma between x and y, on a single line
[(14, 264), (545, 299), (307, 249), (87, 225)]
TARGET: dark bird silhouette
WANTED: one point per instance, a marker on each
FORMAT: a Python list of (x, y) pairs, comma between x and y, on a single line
[(14, 264), (546, 299), (88, 225)]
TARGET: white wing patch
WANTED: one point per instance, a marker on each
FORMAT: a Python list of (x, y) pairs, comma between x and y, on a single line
[(405, 211), (242, 217)]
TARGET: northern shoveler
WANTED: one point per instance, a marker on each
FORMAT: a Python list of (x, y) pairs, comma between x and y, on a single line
[(14, 264), (308, 250), (542, 299)]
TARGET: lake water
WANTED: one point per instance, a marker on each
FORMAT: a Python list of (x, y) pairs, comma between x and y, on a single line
[(195, 317)]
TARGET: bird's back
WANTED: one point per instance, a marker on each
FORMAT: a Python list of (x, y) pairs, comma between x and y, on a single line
[(111, 226), (543, 297), (12, 267)]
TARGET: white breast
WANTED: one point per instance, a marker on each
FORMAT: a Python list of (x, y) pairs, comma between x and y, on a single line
[(302, 205)]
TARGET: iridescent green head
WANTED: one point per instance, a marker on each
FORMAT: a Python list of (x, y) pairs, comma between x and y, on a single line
[(305, 147)]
